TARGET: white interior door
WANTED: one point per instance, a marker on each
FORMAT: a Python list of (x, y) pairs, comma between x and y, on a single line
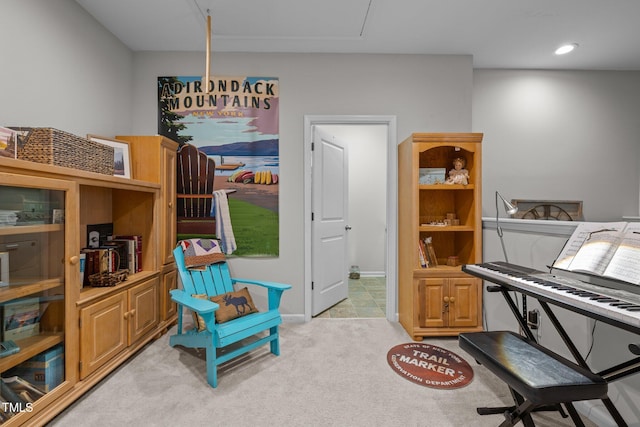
[(329, 230)]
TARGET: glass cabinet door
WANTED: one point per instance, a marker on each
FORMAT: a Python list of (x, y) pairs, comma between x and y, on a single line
[(35, 263)]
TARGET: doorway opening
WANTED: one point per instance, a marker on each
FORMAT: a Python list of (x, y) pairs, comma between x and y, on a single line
[(379, 275)]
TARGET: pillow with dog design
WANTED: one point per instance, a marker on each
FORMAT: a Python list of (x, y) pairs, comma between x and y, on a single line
[(234, 305)]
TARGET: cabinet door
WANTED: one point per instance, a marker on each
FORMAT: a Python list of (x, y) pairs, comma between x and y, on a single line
[(432, 310), (168, 212), (143, 314), (169, 282), (103, 332), (39, 269), (463, 302)]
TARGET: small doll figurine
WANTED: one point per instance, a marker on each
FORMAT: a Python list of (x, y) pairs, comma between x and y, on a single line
[(458, 175)]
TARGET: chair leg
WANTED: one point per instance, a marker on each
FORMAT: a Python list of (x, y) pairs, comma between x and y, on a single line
[(212, 366), (179, 330), (275, 344)]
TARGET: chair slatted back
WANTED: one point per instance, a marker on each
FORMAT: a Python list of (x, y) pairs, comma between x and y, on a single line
[(195, 175), (214, 280)]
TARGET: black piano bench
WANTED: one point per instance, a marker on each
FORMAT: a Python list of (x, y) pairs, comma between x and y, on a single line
[(538, 376)]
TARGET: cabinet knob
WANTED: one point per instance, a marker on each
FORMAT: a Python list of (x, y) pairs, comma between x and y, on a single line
[(446, 299), (170, 204), (133, 312), (452, 299), (126, 314), (74, 260)]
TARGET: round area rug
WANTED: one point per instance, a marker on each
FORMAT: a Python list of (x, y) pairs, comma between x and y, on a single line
[(430, 366)]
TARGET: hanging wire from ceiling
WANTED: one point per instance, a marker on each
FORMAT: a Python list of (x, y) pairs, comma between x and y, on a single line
[(208, 55)]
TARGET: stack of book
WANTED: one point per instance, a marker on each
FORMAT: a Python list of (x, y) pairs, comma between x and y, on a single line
[(426, 253), (117, 253)]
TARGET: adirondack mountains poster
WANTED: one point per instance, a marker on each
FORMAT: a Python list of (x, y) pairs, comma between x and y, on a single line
[(237, 124)]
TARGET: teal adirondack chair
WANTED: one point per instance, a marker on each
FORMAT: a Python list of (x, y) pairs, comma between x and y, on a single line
[(216, 280)]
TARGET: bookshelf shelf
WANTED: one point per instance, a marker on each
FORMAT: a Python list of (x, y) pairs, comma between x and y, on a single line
[(439, 300), (30, 347)]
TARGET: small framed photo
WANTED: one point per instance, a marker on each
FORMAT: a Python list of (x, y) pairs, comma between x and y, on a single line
[(121, 157), (58, 216), (8, 140)]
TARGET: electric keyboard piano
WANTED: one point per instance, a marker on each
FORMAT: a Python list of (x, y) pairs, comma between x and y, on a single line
[(620, 308)]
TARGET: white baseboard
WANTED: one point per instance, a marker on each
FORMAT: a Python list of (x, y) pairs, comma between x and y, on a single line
[(293, 318)]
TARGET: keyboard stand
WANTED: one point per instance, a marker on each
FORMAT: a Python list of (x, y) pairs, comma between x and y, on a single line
[(614, 373)]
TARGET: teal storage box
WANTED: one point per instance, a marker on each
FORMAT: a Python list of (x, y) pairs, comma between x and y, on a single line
[(45, 371)]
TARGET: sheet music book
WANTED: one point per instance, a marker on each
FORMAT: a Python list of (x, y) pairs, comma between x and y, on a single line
[(607, 249)]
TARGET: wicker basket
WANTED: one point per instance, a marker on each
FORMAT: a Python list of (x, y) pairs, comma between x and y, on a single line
[(102, 280), (59, 148)]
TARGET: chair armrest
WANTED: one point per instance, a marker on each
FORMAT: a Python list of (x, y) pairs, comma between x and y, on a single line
[(269, 285), (275, 290), (200, 306)]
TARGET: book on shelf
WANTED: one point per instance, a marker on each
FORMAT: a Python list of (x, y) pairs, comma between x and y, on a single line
[(118, 252), (426, 253), (127, 250), (138, 249), (606, 249)]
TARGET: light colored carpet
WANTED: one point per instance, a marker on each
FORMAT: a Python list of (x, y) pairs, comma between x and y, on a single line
[(331, 372)]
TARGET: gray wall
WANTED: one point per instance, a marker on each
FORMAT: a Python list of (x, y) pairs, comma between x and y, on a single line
[(560, 135), (61, 69)]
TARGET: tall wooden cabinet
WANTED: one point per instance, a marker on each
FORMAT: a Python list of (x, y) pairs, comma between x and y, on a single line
[(88, 331), (439, 300), (155, 160)]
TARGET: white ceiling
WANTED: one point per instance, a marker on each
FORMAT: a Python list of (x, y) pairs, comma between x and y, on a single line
[(498, 33)]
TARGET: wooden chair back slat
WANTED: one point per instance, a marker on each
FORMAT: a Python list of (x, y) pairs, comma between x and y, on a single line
[(195, 177)]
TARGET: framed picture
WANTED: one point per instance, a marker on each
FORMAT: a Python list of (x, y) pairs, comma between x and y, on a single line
[(58, 216), (8, 139), (98, 234), (121, 159)]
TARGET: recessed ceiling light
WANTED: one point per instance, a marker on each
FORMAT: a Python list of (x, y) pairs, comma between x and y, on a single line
[(566, 48)]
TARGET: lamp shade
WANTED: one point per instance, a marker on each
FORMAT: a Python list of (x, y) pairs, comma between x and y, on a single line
[(508, 207)]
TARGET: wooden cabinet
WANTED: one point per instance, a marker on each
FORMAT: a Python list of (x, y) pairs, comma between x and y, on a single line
[(155, 160), (116, 322), (95, 329), (447, 303), (439, 300)]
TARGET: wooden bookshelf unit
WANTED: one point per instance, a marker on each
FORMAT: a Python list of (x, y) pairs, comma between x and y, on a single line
[(439, 300), (95, 329)]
